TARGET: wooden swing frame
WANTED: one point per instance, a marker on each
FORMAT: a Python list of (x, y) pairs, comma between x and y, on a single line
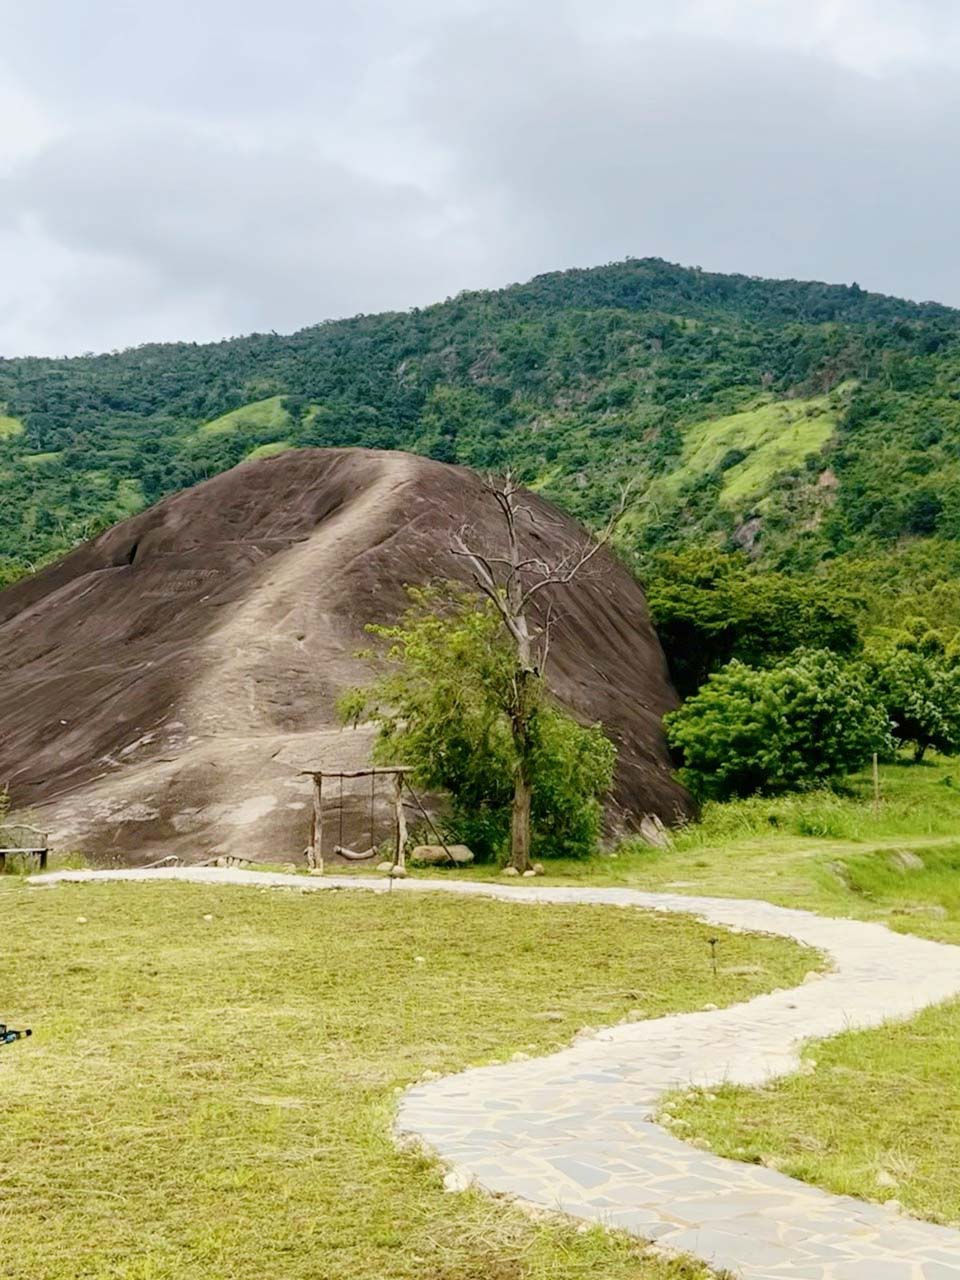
[(314, 851)]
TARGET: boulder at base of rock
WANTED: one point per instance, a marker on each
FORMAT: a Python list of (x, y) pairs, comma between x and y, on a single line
[(906, 860), (653, 832), (430, 855)]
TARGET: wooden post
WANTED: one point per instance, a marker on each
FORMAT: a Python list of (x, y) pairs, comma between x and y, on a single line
[(399, 858), (876, 785), (315, 852)]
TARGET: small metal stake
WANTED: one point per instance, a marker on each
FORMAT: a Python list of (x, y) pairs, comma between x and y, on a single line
[(713, 953)]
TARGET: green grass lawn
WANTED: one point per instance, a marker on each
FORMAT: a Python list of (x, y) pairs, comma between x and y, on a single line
[(830, 853), (878, 1116), (213, 1073)]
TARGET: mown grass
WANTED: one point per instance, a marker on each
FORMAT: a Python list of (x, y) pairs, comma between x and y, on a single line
[(878, 1116), (877, 1113), (213, 1073), (826, 852)]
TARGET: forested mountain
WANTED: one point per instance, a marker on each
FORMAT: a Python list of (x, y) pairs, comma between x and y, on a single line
[(809, 425)]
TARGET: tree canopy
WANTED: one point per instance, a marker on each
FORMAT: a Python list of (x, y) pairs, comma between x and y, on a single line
[(710, 608), (442, 703), (801, 722), (801, 420)]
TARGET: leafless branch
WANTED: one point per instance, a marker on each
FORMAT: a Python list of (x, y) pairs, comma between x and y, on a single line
[(500, 577)]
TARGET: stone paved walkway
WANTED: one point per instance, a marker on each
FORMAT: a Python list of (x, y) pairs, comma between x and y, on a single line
[(574, 1131)]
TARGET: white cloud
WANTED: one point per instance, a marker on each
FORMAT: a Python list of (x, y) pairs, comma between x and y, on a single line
[(198, 169)]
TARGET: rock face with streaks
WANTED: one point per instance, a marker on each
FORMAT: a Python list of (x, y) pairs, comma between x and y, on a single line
[(161, 687)]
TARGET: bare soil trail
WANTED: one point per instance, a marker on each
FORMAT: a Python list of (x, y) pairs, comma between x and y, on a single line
[(161, 686)]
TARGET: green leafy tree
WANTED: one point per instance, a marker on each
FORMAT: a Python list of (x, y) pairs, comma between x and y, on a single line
[(445, 703), (802, 722), (919, 686), (710, 608)]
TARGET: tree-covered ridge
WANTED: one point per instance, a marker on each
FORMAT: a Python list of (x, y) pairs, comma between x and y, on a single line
[(801, 421)]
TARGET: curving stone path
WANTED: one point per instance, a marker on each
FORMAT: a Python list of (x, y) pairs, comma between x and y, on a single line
[(574, 1131)]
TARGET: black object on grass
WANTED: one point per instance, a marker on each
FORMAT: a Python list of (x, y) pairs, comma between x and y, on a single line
[(8, 1035), (713, 953)]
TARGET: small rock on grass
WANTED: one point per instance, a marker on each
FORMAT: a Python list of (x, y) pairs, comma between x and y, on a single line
[(509, 871), (528, 875), (457, 1180), (906, 860), (436, 854)]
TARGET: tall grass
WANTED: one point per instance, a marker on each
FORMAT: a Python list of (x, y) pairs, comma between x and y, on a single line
[(915, 800)]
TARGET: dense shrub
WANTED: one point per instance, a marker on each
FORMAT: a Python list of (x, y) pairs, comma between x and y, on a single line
[(920, 690), (802, 722)]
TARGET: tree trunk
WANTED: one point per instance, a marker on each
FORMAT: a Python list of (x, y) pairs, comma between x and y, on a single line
[(520, 821), (525, 693), (919, 752)]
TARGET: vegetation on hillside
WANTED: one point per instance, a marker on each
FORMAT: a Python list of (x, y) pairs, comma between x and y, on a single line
[(794, 448), (803, 421)]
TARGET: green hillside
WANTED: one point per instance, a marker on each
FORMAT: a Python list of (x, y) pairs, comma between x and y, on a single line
[(808, 424)]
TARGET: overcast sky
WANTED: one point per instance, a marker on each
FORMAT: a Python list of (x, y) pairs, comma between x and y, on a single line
[(203, 168)]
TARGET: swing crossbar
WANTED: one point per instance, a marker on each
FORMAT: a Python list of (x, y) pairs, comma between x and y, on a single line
[(356, 773)]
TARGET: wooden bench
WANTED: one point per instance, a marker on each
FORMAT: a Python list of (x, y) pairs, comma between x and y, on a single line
[(22, 841)]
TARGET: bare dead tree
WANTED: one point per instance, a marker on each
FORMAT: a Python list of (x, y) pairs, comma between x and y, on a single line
[(512, 581)]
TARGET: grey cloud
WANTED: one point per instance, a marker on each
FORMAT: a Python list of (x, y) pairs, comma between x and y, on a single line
[(268, 237), (737, 158), (219, 167)]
